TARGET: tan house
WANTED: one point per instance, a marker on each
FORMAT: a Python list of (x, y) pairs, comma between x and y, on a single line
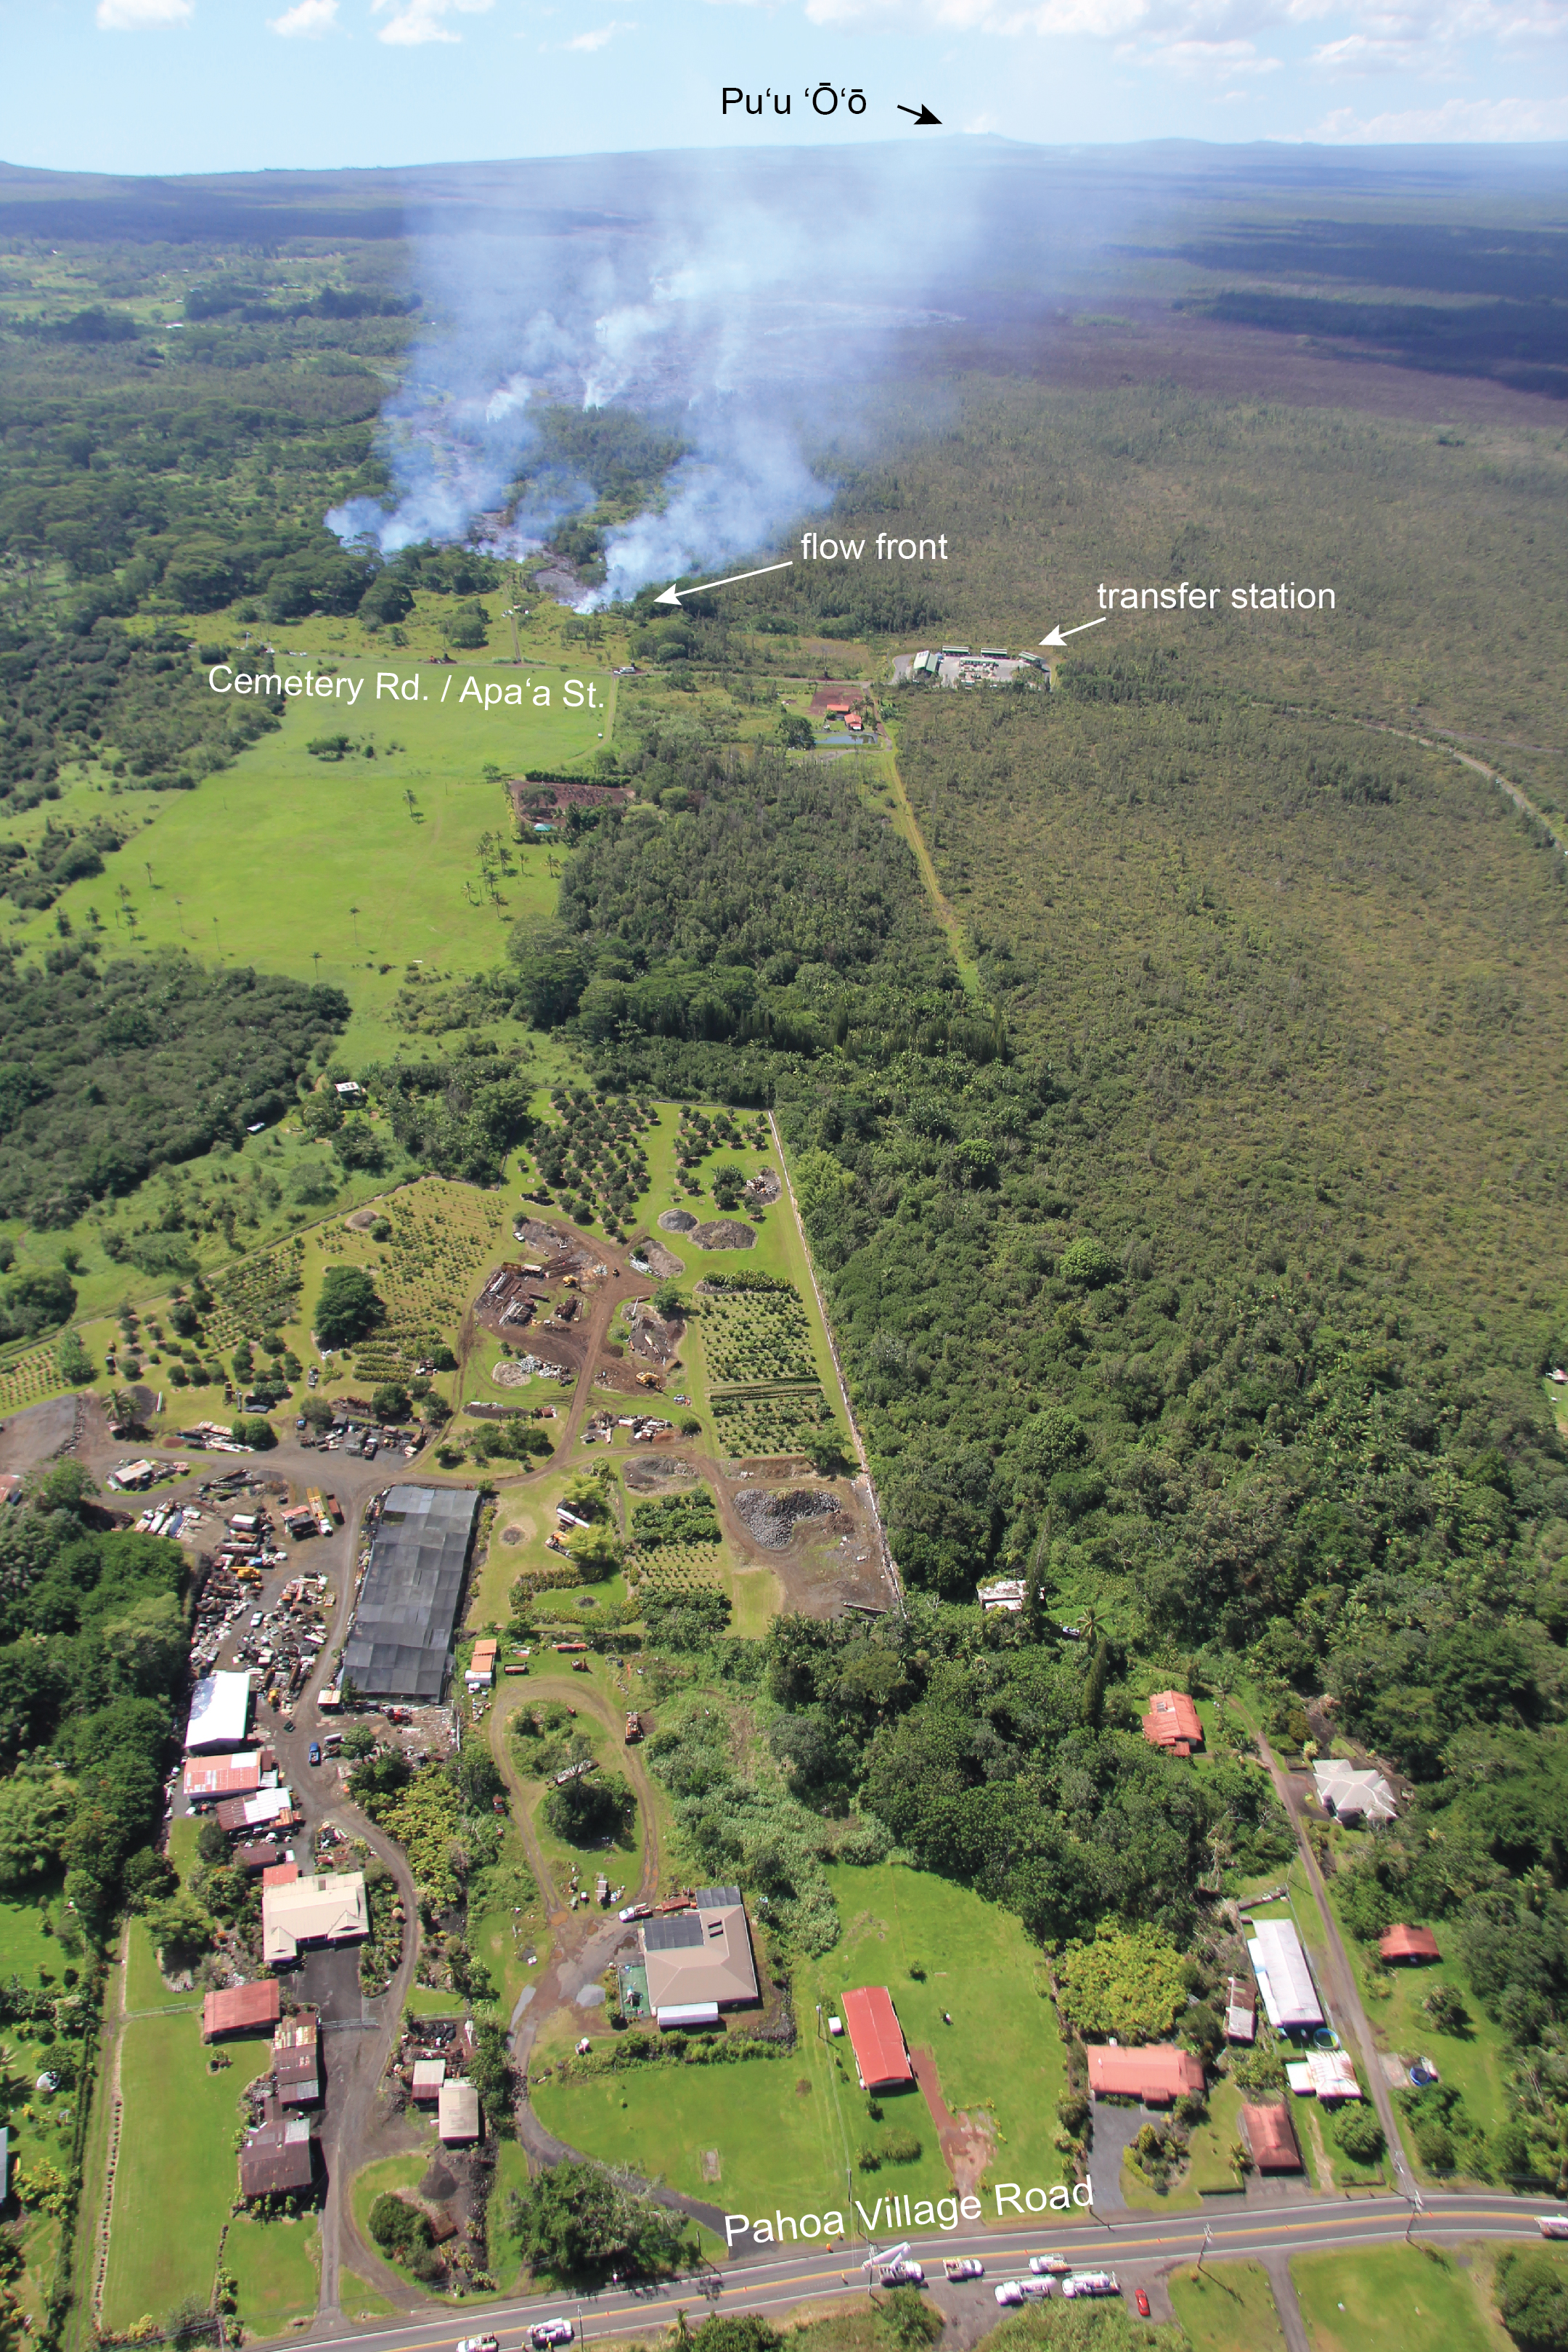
[(314, 1910)]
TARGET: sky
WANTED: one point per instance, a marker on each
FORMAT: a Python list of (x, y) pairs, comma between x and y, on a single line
[(172, 86)]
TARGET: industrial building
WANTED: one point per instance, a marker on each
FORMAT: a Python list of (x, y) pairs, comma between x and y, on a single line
[(400, 1645), (881, 2058), (220, 1710), (213, 1780), (1284, 1979), (699, 1962), (315, 1910)]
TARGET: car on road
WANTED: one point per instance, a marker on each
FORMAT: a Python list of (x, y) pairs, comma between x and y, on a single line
[(1049, 2265), (1554, 2225), (1090, 2283), (964, 2266), (902, 2274), (545, 2331), (478, 2343), (1142, 2300), (637, 1911), (315, 1751)]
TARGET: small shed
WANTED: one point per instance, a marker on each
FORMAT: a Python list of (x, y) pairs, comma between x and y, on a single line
[(1241, 2011), (429, 2076), (240, 2009), (458, 2115), (1271, 2135), (1409, 1944)]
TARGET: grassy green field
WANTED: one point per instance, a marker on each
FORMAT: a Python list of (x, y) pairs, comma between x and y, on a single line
[(26, 1944), (323, 869), (276, 2266), (510, 2176), (145, 1987), (780, 2133), (359, 2300), (176, 2181), (1227, 2307), (1208, 2170), (1395, 2299)]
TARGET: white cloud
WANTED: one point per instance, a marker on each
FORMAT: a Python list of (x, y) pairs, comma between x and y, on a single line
[(1216, 61), (306, 22), (1465, 120), (142, 16), (600, 39), (414, 22)]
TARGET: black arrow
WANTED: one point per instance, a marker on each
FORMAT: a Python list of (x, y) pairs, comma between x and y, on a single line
[(924, 116)]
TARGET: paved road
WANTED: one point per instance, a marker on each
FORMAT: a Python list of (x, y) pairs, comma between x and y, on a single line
[(1140, 2251)]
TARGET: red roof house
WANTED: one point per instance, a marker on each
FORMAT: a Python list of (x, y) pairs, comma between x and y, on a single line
[(1403, 1943), (877, 2040), (281, 1874), (1155, 2072), (1271, 2136), (1171, 1723), (243, 2009), (213, 1780)]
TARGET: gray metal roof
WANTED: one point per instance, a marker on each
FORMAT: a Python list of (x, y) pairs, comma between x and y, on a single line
[(401, 1645), (717, 1898)]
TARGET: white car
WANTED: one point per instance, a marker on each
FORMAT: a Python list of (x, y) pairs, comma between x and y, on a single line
[(545, 2331), (1049, 2265), (1010, 2291), (964, 2266), (479, 2344), (1554, 2225), (902, 2274), (635, 1911)]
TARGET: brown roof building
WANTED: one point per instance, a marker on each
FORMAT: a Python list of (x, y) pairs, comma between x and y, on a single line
[(278, 2156), (241, 2008), (1271, 2136), (1155, 2072), (699, 1961), (297, 2059), (261, 1853), (1403, 1943), (1173, 1723)]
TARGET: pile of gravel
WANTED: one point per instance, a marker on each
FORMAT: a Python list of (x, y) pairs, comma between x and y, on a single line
[(678, 1221), (773, 1517), (723, 1233)]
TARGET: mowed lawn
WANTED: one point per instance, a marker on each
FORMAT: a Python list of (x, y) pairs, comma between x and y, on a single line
[(265, 862), (1227, 2307), (774, 2135), (1003, 2050), (276, 2265), (1397, 2299), (176, 2177)]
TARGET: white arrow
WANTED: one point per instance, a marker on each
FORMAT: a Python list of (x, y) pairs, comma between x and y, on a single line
[(672, 594), (1059, 636)]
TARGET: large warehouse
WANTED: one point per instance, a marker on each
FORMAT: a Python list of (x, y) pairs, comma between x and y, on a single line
[(400, 1646)]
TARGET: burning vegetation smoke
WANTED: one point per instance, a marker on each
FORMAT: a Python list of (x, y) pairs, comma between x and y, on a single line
[(723, 315)]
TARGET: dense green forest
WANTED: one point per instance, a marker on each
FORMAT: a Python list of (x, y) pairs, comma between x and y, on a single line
[(110, 1070), (93, 1637)]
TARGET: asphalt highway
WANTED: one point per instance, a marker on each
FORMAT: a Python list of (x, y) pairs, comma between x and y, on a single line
[(1138, 2249)]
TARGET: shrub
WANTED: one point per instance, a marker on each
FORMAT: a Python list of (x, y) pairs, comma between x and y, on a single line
[(1532, 2297), (900, 2145), (1359, 2133)]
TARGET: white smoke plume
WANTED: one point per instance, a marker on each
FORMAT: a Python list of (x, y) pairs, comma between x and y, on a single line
[(740, 304)]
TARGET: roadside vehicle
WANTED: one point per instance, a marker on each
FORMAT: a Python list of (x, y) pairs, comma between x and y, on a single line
[(315, 1751), (1554, 2225), (1142, 2300), (1049, 2265), (902, 2274), (1010, 2291), (1090, 2283), (546, 2332), (964, 2266), (637, 1911), (479, 2344)]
